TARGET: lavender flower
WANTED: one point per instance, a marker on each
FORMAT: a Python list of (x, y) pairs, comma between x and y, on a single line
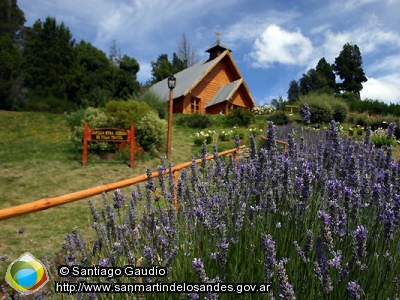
[(198, 266), (268, 245), (104, 262), (118, 198), (286, 289), (391, 129), (306, 113), (360, 242), (354, 288), (326, 231)]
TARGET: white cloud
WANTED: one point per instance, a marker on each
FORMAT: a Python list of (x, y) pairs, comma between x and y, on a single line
[(250, 26), (278, 45), (386, 89)]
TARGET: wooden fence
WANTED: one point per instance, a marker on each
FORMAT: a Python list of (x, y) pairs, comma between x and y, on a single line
[(46, 203)]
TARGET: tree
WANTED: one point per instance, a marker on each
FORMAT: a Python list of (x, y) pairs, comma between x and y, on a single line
[(12, 19), (162, 68), (97, 76), (129, 65), (293, 92), (52, 73), (279, 104), (327, 76), (308, 81), (10, 61), (348, 66), (124, 70), (187, 52), (115, 55)]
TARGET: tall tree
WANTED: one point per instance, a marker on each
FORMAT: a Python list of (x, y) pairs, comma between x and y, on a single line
[(52, 72), (125, 68), (162, 68), (293, 92), (10, 61), (307, 81), (12, 19), (129, 65), (187, 52), (326, 75), (115, 55), (97, 76), (348, 66)]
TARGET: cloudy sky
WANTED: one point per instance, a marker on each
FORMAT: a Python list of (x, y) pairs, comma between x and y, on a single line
[(273, 42)]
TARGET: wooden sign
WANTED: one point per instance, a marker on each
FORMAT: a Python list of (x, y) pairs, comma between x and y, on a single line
[(108, 135)]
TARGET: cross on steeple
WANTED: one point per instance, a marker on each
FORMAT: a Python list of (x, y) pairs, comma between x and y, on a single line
[(218, 33)]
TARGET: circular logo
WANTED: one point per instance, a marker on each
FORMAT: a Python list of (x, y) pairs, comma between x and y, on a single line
[(26, 274)]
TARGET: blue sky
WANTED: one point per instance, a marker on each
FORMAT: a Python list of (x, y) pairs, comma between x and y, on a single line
[(273, 42)]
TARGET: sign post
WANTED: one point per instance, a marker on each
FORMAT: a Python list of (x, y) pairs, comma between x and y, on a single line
[(108, 135)]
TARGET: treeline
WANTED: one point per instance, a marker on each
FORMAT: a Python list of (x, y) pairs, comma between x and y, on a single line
[(321, 80), (42, 68)]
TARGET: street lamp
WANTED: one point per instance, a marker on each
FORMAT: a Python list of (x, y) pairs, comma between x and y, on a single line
[(171, 85)]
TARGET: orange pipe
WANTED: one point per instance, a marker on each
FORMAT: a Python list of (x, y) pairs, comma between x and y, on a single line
[(46, 203)]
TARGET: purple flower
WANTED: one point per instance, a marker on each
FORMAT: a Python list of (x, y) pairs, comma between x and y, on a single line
[(104, 262), (198, 267), (118, 198), (305, 112), (391, 130), (285, 288), (360, 242), (353, 288), (268, 246)]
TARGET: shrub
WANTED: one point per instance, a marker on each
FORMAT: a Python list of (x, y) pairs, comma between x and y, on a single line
[(362, 120), (340, 111), (122, 114), (240, 117), (203, 137), (151, 133), (380, 141), (325, 107), (155, 102), (380, 138), (321, 111), (263, 110), (351, 131), (96, 119), (194, 121), (279, 118), (238, 132), (225, 136)]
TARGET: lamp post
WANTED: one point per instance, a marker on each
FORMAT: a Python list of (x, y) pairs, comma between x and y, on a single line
[(171, 85)]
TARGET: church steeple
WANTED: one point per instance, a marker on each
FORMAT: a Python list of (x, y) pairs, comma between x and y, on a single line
[(217, 48)]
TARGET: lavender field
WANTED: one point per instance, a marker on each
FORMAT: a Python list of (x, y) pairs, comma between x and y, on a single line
[(320, 221)]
